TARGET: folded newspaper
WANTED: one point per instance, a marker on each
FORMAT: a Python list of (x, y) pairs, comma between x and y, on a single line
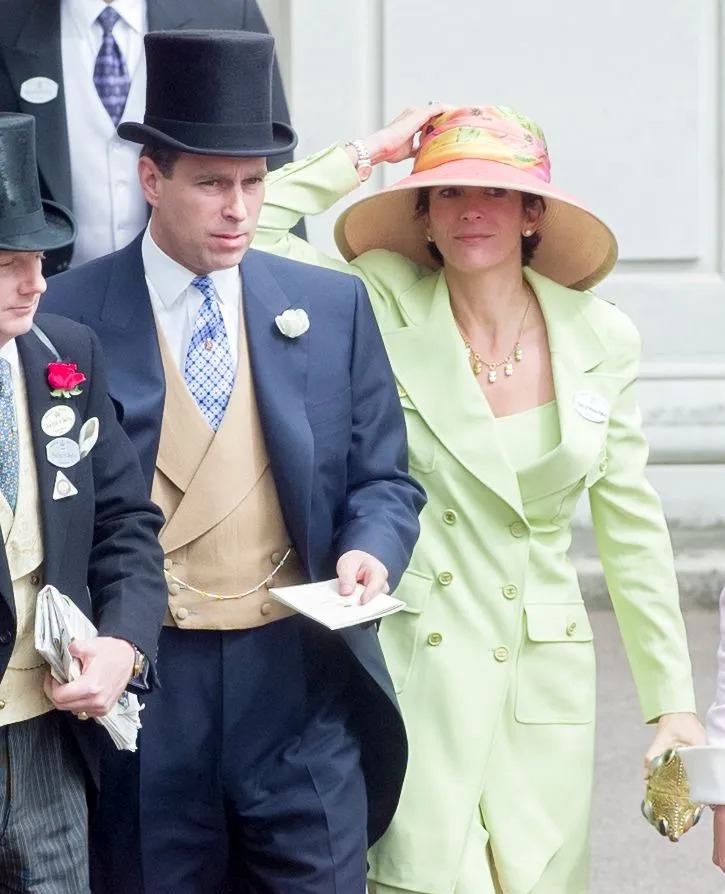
[(322, 602), (58, 621)]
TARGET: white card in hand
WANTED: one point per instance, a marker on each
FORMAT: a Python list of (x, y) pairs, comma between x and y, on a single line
[(322, 602)]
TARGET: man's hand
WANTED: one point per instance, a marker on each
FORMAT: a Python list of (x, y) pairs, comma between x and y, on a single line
[(106, 666), (357, 567), (674, 730)]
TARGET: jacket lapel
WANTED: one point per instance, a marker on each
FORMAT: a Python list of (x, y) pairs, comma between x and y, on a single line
[(127, 331), (279, 373), (166, 15), (430, 363), (56, 514), (38, 54), (576, 355)]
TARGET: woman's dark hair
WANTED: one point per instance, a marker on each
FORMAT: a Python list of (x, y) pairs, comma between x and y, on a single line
[(163, 158), (529, 244)]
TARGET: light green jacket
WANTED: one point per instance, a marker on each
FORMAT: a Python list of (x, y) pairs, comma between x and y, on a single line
[(493, 657)]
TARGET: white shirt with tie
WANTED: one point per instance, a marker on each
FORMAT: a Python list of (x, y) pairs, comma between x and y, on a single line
[(176, 302), (107, 200)]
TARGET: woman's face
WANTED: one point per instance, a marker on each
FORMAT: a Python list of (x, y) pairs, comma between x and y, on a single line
[(479, 227)]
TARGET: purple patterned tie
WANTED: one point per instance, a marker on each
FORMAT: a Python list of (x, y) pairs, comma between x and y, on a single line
[(208, 367), (110, 74)]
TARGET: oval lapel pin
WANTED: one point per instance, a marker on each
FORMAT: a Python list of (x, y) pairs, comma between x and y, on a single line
[(591, 406)]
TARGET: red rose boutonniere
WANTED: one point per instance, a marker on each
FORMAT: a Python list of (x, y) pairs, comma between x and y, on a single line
[(64, 379)]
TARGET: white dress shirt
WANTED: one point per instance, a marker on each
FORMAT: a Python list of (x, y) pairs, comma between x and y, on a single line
[(176, 302), (107, 200), (9, 352)]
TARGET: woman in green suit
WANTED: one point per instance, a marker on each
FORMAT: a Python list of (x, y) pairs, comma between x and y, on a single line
[(518, 388)]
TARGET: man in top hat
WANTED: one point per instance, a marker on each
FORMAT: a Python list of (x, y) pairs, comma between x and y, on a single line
[(79, 68), (260, 400), (86, 526)]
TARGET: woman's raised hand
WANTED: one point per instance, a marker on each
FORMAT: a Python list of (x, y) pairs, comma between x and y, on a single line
[(396, 141)]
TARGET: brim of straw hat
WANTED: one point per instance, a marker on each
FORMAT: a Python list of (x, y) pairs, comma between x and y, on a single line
[(59, 231), (577, 249)]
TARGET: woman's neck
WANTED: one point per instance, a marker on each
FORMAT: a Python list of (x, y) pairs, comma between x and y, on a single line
[(488, 302)]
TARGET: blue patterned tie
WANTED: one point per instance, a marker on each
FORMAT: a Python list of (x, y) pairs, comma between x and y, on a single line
[(110, 74), (9, 457), (208, 368)]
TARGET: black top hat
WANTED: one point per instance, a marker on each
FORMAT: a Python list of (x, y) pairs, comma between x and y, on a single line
[(26, 222), (210, 93)]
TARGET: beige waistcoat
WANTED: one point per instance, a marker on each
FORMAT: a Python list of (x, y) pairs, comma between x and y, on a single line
[(21, 688), (224, 532)]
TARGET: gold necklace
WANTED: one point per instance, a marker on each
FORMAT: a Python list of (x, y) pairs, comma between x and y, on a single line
[(515, 354)]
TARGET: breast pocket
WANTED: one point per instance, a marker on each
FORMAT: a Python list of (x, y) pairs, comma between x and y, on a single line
[(421, 440), (556, 672), (400, 634)]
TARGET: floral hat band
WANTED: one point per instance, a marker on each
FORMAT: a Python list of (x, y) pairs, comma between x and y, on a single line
[(489, 133)]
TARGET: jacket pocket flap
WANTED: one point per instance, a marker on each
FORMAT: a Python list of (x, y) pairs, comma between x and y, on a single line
[(414, 589), (558, 623)]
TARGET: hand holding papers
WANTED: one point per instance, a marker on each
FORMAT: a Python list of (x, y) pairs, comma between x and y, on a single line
[(322, 602), (58, 621)]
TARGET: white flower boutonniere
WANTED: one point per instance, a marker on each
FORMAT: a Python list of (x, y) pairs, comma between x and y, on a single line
[(293, 322)]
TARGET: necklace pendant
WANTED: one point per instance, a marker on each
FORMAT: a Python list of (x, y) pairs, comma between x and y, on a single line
[(508, 369), (476, 366), (492, 376), (518, 353)]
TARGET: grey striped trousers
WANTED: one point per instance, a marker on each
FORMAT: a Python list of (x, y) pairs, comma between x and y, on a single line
[(43, 812)]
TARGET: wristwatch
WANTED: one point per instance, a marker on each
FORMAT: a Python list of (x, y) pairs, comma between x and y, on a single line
[(139, 662), (363, 165)]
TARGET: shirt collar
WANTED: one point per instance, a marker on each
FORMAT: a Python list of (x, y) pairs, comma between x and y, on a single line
[(83, 13), (170, 280), (9, 352)]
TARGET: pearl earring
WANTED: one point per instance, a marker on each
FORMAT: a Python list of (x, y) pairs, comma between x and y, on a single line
[(428, 237), (528, 232)]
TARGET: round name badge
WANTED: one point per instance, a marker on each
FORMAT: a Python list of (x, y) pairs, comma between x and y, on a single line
[(63, 452), (591, 406), (58, 421), (39, 90)]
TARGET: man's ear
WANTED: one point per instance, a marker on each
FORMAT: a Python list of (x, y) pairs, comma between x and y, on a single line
[(150, 178)]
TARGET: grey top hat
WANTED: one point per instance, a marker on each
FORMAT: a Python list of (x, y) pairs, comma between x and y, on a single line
[(210, 93), (27, 223)]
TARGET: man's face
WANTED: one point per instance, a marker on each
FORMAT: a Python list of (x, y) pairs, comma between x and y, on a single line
[(204, 215), (21, 285)]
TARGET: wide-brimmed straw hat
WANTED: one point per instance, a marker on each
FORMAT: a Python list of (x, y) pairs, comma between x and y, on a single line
[(27, 222), (491, 146)]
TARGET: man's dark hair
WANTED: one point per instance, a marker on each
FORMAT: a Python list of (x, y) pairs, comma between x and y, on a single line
[(163, 158), (529, 244)]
